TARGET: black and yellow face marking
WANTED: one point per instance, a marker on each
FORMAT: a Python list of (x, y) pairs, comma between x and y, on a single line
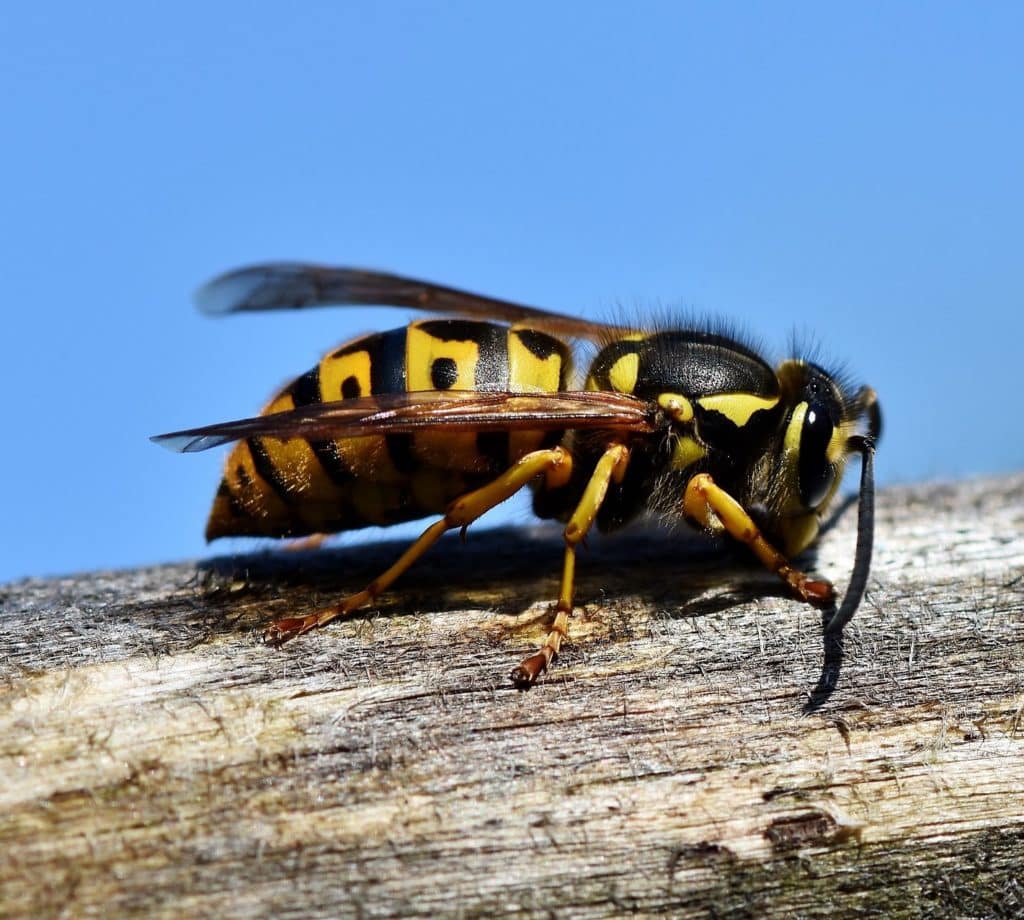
[(450, 416), (737, 408)]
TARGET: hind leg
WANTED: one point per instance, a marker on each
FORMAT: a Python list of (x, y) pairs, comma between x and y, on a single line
[(555, 464)]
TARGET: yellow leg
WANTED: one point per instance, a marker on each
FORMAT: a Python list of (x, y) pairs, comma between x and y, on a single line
[(305, 544), (611, 467), (704, 498), (555, 464)]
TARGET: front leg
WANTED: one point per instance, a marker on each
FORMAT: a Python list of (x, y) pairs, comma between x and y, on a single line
[(713, 508)]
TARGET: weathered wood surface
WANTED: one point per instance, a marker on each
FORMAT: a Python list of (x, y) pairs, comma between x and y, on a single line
[(690, 753)]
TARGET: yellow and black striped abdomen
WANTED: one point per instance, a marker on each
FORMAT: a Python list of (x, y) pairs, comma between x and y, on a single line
[(290, 488)]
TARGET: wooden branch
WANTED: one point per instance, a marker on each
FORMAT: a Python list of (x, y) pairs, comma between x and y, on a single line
[(697, 750)]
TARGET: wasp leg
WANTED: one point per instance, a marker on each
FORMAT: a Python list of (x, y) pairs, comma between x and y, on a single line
[(611, 466), (306, 544), (555, 464), (710, 505)]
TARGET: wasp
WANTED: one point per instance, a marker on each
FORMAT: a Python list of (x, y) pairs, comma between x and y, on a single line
[(450, 416)]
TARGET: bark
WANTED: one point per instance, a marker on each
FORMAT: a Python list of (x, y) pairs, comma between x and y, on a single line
[(698, 749)]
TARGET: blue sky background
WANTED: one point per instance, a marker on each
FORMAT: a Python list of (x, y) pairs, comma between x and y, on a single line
[(855, 171)]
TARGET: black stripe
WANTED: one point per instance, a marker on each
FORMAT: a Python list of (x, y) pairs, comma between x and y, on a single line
[(494, 447), (305, 391), (387, 375), (540, 345), (460, 330), (264, 465), (353, 347), (400, 450), (551, 439), (606, 359), (333, 463), (386, 351), (491, 371), (387, 361), (234, 505)]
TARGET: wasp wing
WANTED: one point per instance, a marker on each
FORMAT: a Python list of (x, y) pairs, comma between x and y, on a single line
[(405, 413), (294, 285)]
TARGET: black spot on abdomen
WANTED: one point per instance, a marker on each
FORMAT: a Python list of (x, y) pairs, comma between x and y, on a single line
[(444, 372)]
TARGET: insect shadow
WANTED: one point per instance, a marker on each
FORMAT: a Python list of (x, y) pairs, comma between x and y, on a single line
[(507, 569)]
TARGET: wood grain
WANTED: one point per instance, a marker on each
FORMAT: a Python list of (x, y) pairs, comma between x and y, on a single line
[(698, 749)]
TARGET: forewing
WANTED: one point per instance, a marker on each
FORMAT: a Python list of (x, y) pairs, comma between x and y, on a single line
[(295, 285), (405, 413)]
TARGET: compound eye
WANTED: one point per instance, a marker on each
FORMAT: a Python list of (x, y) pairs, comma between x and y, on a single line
[(816, 473)]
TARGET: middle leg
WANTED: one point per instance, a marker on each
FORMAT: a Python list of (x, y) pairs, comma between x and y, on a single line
[(611, 467)]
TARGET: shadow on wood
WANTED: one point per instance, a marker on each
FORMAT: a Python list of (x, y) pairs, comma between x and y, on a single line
[(698, 749)]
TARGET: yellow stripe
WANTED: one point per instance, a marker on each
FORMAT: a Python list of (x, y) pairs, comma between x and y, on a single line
[(836, 450), (529, 374), (686, 453), (737, 407), (253, 493), (791, 443), (798, 533), (299, 468), (623, 373), (791, 458), (334, 371), (422, 350), (443, 450), (367, 458)]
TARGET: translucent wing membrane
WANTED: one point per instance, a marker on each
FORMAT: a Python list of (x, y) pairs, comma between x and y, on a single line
[(405, 413), (295, 285)]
